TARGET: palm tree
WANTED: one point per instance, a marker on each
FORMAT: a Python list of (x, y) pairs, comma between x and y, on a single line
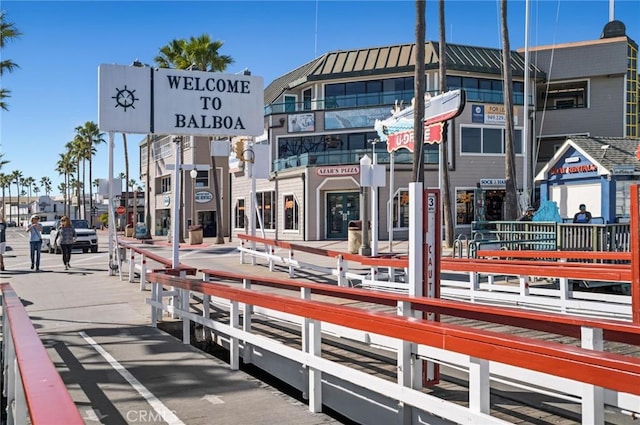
[(418, 109), (8, 32), (92, 136), (65, 166), (444, 151), (16, 175), (76, 150), (511, 196), (5, 181), (200, 53), (45, 183), (28, 183), (62, 188)]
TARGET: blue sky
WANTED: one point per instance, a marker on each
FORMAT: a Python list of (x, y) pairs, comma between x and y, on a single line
[(55, 88)]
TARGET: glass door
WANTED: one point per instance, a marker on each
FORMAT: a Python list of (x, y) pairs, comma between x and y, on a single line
[(341, 208)]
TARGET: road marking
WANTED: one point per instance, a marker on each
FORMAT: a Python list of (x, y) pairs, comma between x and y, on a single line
[(213, 399), (167, 415)]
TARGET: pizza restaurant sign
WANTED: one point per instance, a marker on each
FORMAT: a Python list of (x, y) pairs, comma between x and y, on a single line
[(347, 170)]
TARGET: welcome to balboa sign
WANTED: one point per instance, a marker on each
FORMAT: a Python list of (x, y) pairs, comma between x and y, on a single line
[(170, 101)]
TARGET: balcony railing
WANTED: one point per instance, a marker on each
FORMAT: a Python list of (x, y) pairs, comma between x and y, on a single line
[(382, 99), (349, 157)]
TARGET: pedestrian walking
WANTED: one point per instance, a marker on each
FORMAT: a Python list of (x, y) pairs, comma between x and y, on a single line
[(3, 240), (64, 239), (35, 241)]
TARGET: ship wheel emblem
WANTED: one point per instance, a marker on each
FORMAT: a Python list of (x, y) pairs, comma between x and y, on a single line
[(125, 98)]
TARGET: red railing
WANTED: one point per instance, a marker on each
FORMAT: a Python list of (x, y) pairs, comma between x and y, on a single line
[(614, 371), (30, 376)]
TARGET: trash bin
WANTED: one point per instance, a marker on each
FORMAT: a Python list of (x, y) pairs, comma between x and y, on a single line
[(195, 234), (354, 236)]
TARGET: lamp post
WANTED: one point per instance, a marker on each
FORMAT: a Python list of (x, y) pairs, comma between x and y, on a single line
[(365, 182), (374, 204), (193, 173)]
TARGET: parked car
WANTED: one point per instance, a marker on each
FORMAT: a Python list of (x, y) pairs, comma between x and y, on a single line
[(47, 226), (86, 237), (11, 224)]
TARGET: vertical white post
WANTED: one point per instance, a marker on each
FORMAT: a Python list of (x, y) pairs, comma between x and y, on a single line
[(592, 396), (479, 385), (185, 296), (206, 305), (246, 322), (112, 222), (416, 235), (291, 267), (143, 273), (525, 125), (374, 207), (315, 376), (154, 309), (392, 189), (132, 264), (366, 177), (253, 211), (234, 351), (175, 210)]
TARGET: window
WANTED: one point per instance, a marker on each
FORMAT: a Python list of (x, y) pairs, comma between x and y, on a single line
[(487, 140), (371, 92), (623, 207), (400, 211), (290, 103), (485, 90), (266, 209), (202, 180), (464, 206), (239, 221), (290, 213), (570, 94), (162, 149), (306, 100), (165, 184)]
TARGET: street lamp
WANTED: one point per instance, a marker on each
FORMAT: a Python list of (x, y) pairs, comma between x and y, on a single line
[(193, 173)]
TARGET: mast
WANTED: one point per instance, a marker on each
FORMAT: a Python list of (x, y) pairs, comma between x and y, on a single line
[(525, 128)]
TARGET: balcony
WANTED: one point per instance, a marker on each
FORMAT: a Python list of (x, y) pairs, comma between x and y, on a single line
[(402, 156)]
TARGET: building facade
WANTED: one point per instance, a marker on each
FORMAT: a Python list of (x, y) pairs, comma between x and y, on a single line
[(592, 89), (319, 124), (319, 121), (198, 203)]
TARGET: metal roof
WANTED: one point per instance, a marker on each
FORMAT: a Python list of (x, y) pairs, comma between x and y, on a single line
[(378, 61)]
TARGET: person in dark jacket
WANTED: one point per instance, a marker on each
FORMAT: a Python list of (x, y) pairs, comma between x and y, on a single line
[(64, 239), (582, 216), (3, 240)]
